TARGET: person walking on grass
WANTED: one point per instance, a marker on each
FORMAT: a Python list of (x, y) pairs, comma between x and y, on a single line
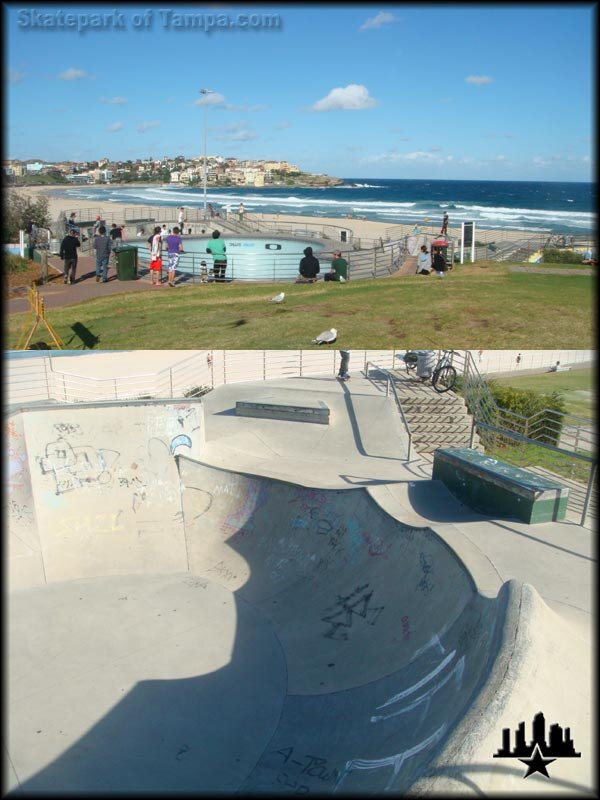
[(103, 247), (174, 248), (156, 256), (68, 253)]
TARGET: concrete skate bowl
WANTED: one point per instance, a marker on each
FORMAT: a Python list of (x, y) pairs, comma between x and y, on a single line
[(176, 627)]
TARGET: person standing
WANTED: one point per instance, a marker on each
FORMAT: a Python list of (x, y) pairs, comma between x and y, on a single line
[(68, 253), (217, 249), (103, 247), (444, 230), (174, 248), (181, 219), (116, 232), (31, 231), (241, 212), (439, 263), (343, 374), (423, 261), (72, 223), (156, 256), (97, 225), (309, 266)]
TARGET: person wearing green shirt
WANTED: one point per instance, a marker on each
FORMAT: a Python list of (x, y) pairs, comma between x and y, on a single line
[(339, 268), (217, 249)]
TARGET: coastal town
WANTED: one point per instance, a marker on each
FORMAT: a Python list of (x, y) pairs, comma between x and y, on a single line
[(220, 171)]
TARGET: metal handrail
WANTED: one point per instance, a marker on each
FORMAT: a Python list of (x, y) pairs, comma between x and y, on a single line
[(390, 382), (483, 407)]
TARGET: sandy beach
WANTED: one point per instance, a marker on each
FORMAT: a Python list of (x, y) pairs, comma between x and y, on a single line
[(362, 228)]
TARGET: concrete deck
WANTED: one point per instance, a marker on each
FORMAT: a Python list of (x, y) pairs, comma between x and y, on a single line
[(205, 602)]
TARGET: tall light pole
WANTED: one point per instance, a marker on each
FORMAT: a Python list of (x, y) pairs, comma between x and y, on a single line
[(205, 92)]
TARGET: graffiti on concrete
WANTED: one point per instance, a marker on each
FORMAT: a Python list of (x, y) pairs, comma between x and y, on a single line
[(434, 681), (395, 761), (347, 612), (302, 767), (76, 467), (425, 584)]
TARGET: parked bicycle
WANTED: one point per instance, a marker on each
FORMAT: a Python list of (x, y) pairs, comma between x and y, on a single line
[(443, 375)]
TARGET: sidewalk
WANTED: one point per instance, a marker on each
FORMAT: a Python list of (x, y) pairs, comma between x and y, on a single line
[(58, 295)]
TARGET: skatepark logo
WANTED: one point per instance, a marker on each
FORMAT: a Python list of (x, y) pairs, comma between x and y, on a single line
[(537, 754)]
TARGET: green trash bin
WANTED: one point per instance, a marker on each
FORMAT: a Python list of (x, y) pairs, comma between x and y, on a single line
[(127, 262)]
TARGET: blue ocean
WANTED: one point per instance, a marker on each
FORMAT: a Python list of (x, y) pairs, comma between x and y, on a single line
[(510, 205)]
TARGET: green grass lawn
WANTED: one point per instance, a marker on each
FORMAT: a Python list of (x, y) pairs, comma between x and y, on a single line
[(532, 456), (482, 305), (577, 387)]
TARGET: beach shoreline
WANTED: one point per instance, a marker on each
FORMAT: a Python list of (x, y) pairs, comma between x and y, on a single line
[(59, 202)]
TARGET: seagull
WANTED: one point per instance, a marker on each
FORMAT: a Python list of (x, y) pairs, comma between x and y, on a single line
[(327, 337), (278, 298), (342, 279)]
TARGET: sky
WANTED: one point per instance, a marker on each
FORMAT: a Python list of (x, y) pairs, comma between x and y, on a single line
[(490, 92)]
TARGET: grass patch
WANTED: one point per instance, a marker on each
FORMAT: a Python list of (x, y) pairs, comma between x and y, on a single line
[(15, 264), (577, 387), (480, 305), (531, 456)]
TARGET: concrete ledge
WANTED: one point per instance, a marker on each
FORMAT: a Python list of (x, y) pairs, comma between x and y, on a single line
[(496, 487), (310, 411)]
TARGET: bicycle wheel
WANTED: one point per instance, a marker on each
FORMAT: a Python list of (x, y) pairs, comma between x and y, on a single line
[(444, 379)]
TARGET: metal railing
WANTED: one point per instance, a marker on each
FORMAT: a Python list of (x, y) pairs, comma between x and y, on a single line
[(376, 263), (391, 383), (575, 432), (38, 379), (566, 434)]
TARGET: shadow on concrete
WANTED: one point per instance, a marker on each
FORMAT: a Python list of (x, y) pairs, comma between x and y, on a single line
[(356, 429), (308, 610), (543, 541)]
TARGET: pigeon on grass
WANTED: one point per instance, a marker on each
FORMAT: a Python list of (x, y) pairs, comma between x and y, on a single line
[(327, 337)]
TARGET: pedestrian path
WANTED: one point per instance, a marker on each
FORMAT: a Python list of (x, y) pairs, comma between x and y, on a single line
[(59, 295)]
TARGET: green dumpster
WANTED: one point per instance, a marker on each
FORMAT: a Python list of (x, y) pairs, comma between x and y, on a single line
[(127, 262)]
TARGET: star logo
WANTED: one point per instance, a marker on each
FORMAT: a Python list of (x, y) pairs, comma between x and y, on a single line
[(536, 763), (535, 753)]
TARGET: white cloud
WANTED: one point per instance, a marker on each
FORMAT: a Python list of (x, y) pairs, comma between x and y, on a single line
[(479, 80), (114, 101), (73, 74), (15, 76), (353, 97), (283, 125), (209, 99), (116, 126), (383, 18), (146, 126)]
